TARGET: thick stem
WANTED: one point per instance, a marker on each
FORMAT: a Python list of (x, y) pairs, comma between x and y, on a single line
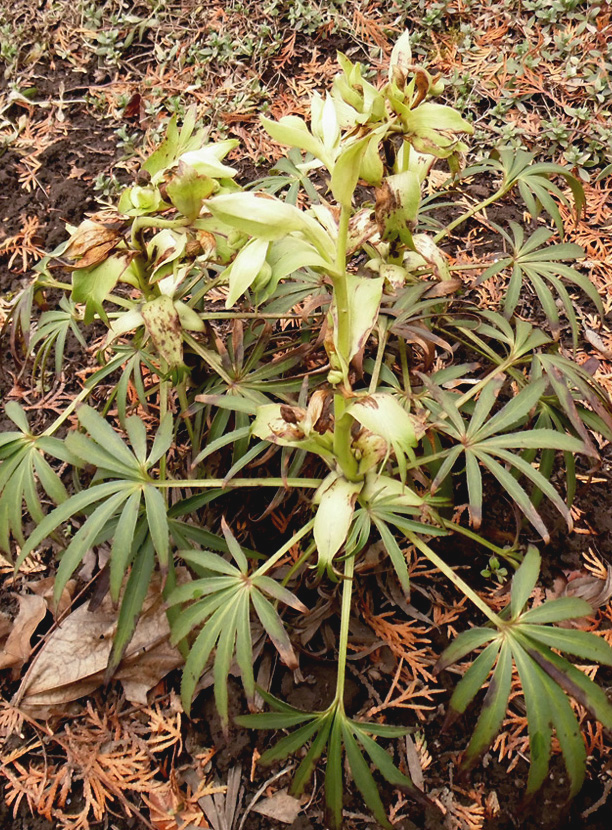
[(341, 294), (163, 409), (343, 422), (345, 616), (142, 222)]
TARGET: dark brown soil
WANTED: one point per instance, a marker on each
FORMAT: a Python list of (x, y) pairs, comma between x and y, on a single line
[(84, 147)]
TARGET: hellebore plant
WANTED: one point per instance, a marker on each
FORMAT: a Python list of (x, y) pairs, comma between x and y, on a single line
[(359, 395)]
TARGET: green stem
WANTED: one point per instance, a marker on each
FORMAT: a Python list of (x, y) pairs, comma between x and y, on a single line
[(405, 368), (343, 423), (284, 549), (51, 282), (142, 222), (469, 266), (182, 396), (474, 390), (507, 556), (206, 483), (252, 315), (468, 214), (297, 565), (82, 396), (453, 577), (163, 409), (341, 293), (345, 616)]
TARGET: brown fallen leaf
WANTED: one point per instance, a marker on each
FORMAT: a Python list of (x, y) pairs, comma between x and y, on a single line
[(44, 588), (72, 662), (6, 625), (596, 591), (281, 807), (17, 648)]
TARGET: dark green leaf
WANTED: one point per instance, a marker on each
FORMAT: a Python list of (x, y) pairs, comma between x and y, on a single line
[(157, 519), (463, 644), (471, 683), (583, 644), (200, 651), (493, 708), (524, 580), (362, 776), (539, 717), (556, 610), (84, 538), (132, 601), (303, 773), (121, 551)]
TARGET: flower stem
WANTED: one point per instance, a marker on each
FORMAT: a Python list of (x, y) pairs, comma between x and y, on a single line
[(343, 423), (341, 297), (82, 396), (508, 556)]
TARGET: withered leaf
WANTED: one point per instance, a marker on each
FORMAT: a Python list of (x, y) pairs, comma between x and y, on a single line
[(72, 662), (281, 807), (17, 648), (92, 242), (163, 324)]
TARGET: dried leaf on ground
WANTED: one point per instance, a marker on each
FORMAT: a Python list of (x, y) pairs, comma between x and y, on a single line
[(72, 662), (6, 625), (18, 648), (584, 585), (44, 588), (281, 807), (104, 757)]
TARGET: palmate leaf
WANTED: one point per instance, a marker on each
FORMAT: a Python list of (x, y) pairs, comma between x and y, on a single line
[(24, 471), (575, 389), (534, 182), (127, 508), (135, 364), (133, 597), (128, 489), (221, 601), (486, 441), (494, 337), (332, 733), (543, 265), (51, 333), (527, 639)]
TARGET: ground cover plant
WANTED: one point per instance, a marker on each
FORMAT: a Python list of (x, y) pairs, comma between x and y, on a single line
[(308, 333)]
